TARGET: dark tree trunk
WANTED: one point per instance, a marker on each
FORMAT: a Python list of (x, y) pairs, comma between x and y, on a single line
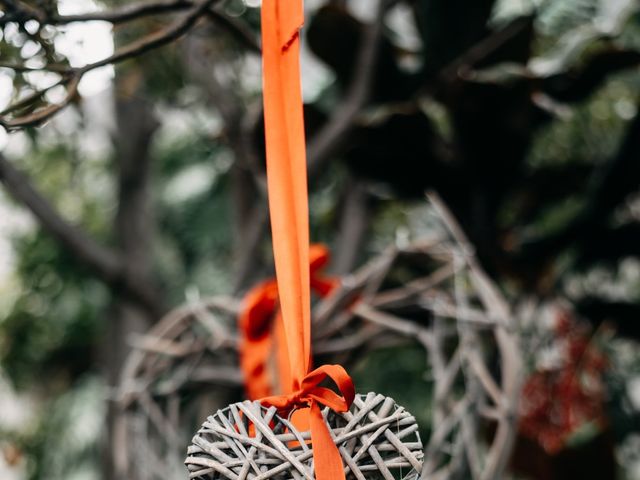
[(133, 229)]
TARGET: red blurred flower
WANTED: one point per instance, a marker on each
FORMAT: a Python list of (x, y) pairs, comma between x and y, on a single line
[(557, 401)]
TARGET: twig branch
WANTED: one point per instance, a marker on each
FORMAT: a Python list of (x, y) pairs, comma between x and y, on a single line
[(468, 61), (329, 138), (135, 49), (156, 39), (50, 67), (19, 186), (32, 97), (137, 11), (239, 30), (355, 221), (120, 15), (47, 112)]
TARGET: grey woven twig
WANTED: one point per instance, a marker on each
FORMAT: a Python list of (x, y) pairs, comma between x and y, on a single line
[(376, 438)]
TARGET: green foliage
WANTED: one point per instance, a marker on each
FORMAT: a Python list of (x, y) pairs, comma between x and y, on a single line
[(195, 215), (398, 373), (54, 326), (66, 443), (55, 322), (558, 17)]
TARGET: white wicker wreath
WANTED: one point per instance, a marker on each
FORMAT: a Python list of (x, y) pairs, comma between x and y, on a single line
[(376, 439)]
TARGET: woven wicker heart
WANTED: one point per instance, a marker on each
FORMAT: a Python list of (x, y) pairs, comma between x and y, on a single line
[(376, 438)]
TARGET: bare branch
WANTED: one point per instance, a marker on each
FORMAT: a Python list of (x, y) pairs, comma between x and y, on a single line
[(391, 322), (32, 97), (329, 138), (21, 68), (120, 15), (355, 221), (135, 49), (239, 30), (482, 50), (259, 223), (156, 39), (47, 112), (99, 257), (126, 13)]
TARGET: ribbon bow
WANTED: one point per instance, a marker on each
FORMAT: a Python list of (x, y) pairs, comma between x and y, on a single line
[(311, 395)]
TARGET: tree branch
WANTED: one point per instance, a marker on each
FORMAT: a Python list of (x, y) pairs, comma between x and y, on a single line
[(101, 259), (239, 30), (335, 131), (577, 84), (47, 112), (135, 49), (105, 262), (355, 221), (120, 15)]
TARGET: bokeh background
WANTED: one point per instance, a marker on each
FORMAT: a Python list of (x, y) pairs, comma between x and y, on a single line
[(522, 114)]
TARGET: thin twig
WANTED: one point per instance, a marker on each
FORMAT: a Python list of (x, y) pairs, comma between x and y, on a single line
[(49, 67), (155, 39), (33, 97), (135, 49), (239, 30), (123, 14), (47, 112), (330, 137)]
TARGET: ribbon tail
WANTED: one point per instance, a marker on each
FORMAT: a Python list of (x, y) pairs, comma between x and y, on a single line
[(326, 456)]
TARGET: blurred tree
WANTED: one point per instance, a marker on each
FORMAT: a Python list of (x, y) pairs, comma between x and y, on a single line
[(525, 121)]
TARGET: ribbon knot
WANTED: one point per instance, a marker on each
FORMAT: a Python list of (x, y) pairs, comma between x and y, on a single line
[(298, 399), (311, 395), (310, 391)]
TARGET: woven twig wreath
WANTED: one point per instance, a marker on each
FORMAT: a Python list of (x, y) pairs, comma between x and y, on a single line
[(186, 366), (376, 439)]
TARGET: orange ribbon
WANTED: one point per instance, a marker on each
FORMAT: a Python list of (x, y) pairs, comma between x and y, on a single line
[(288, 206), (326, 457), (259, 322)]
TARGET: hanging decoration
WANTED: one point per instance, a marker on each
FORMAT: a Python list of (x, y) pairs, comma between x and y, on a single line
[(376, 439), (189, 360), (308, 430)]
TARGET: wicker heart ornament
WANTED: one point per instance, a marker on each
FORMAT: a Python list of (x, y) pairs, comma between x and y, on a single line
[(353, 437), (376, 439)]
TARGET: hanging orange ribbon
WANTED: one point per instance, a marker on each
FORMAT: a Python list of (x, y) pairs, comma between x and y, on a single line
[(288, 205), (260, 326)]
